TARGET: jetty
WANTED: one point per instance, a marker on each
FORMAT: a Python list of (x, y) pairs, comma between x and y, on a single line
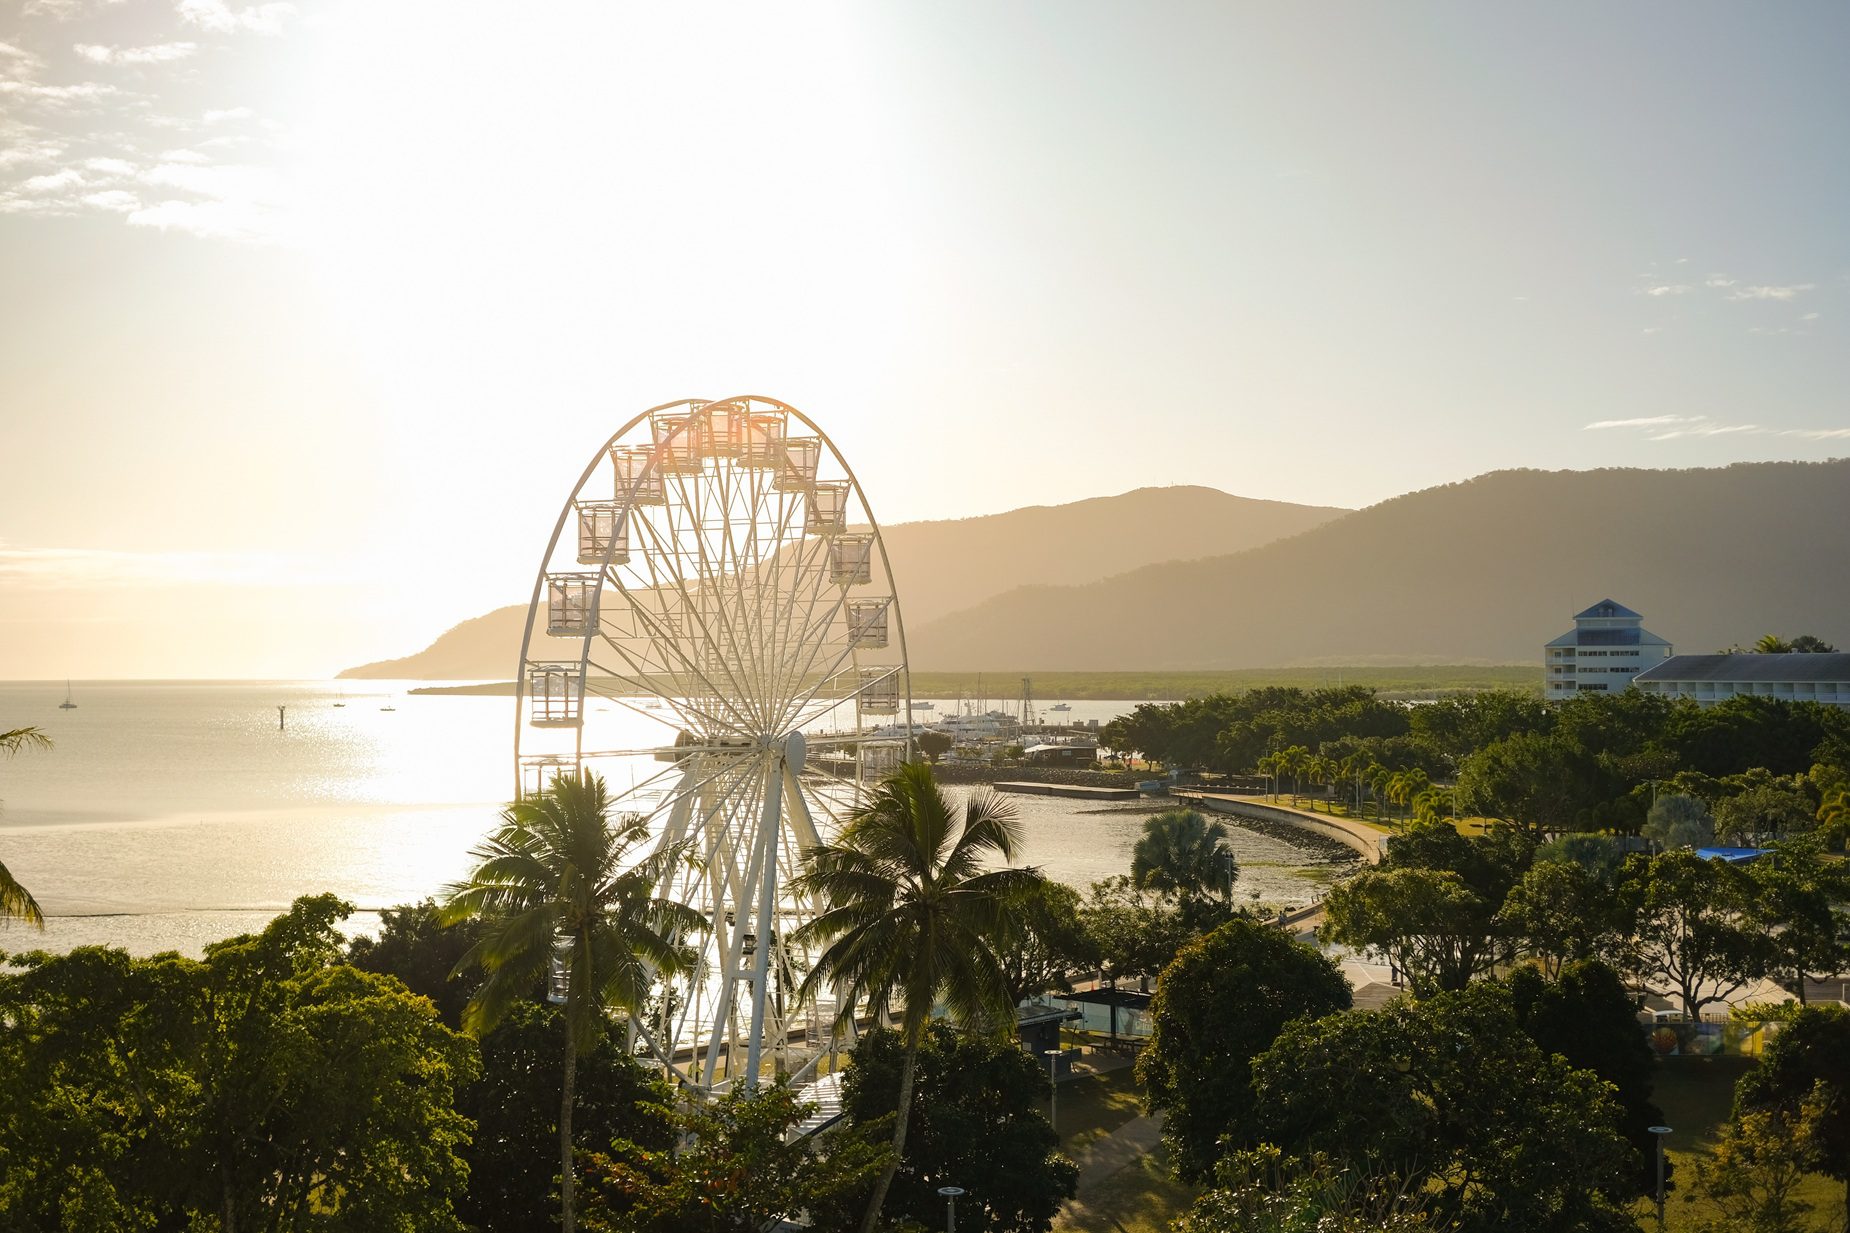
[(1079, 791)]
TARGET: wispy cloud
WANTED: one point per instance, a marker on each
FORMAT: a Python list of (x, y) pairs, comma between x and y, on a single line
[(221, 17), (219, 203), (1669, 289), (64, 10), (1676, 427), (56, 96), (1771, 293), (1649, 421), (61, 568), (159, 53), (19, 58)]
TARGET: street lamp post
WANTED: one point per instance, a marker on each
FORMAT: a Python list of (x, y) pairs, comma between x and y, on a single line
[(950, 1194), (1053, 1089), (1660, 1132)]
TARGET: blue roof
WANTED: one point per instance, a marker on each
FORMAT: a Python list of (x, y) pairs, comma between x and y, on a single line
[(1607, 608), (1734, 856)]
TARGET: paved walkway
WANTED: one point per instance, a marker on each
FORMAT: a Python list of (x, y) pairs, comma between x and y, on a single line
[(1363, 839), (1103, 1157)]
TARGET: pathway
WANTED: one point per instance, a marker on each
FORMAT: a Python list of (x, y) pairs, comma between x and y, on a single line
[(1103, 1157)]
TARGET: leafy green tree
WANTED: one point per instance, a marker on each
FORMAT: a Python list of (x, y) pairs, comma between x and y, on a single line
[(1695, 932), (1753, 1173), (1265, 1191), (1490, 864), (267, 1087), (1453, 1096), (1183, 855), (1428, 922), (1599, 855), (1810, 1054), (934, 744), (428, 956), (1679, 821), (1562, 914), (1219, 1005), (978, 1123), (1456, 727), (1134, 935), (1798, 900), (560, 877), (1589, 1017), (732, 1164), (1542, 783), (513, 1163), (16, 902), (909, 908), (1052, 943), (1771, 809)]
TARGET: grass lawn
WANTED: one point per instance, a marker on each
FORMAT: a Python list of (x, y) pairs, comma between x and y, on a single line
[(1696, 1095)]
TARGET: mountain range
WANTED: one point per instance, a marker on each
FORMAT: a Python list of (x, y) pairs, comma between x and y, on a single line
[(1484, 570), (947, 565)]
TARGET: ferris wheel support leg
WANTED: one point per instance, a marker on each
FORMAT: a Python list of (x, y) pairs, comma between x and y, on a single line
[(767, 914)]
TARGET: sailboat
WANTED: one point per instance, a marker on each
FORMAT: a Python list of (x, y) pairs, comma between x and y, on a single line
[(67, 704), (342, 699)]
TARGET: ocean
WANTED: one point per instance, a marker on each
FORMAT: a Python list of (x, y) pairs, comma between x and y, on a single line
[(169, 815)]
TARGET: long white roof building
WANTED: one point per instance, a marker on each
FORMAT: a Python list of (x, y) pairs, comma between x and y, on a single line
[(1710, 679)]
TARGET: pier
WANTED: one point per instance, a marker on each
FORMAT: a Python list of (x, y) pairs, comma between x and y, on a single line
[(1078, 791)]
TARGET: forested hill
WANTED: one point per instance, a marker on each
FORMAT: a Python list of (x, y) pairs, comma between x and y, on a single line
[(1486, 569), (946, 566)]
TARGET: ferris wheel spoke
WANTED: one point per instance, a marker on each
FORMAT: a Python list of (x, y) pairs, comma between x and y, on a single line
[(719, 569), (803, 596), (678, 635), (681, 702)]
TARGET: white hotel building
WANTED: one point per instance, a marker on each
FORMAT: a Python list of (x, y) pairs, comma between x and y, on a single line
[(1607, 647)]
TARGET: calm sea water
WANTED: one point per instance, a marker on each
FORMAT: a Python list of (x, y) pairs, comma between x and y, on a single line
[(172, 814)]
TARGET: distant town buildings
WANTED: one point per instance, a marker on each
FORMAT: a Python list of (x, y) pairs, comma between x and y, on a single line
[(1794, 676), (1607, 647)]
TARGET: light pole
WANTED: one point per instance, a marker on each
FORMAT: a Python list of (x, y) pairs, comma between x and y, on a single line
[(1053, 1089), (1660, 1132), (950, 1194)]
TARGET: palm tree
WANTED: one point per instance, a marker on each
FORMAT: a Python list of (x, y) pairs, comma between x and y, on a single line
[(1403, 786), (1297, 759), (1180, 854), (1270, 765), (1354, 767), (1834, 812), (559, 878), (907, 908), (16, 902), (1379, 777)]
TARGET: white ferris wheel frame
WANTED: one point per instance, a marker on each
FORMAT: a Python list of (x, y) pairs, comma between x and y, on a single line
[(706, 796)]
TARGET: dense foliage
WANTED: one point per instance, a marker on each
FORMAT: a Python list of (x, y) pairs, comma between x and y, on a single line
[(1221, 1003), (733, 1164), (1451, 1094), (249, 1090), (978, 1121)]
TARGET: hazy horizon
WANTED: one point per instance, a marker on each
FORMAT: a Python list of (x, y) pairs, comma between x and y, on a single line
[(317, 309)]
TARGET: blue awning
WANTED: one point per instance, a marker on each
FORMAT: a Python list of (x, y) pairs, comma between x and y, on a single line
[(1734, 856)]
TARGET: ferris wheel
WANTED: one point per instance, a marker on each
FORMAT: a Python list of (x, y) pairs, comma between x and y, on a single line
[(715, 631)]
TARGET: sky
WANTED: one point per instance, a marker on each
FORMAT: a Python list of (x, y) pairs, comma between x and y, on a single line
[(312, 312)]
